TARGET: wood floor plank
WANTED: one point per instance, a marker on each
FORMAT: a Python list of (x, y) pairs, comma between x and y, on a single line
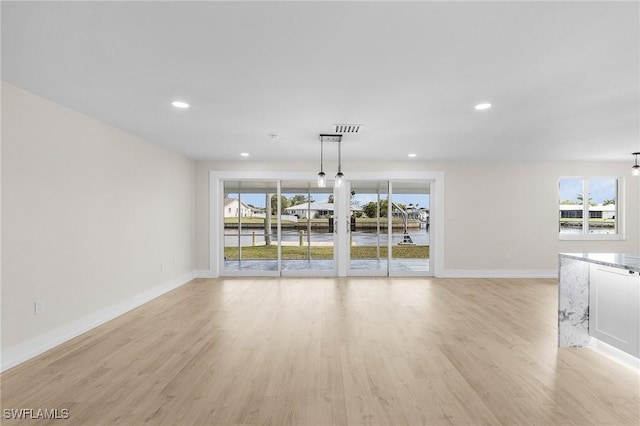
[(331, 351)]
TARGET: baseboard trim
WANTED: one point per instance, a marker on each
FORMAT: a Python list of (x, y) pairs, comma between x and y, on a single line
[(202, 273), (501, 273), (617, 355), (24, 351)]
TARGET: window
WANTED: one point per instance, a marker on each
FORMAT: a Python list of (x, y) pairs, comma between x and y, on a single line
[(589, 208)]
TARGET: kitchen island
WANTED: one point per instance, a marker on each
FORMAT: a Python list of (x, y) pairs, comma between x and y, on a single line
[(599, 297)]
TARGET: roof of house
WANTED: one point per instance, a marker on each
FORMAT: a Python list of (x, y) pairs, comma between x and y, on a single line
[(312, 206), (317, 206), (228, 201)]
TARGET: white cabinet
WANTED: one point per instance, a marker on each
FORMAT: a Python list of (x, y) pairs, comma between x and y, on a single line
[(614, 305)]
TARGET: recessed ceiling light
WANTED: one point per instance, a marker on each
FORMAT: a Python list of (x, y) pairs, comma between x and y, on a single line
[(412, 155), (483, 106), (244, 154), (180, 104)]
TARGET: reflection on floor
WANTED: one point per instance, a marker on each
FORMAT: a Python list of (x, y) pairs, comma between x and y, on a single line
[(398, 265)]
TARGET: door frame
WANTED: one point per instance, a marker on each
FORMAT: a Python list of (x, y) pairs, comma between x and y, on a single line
[(342, 220)]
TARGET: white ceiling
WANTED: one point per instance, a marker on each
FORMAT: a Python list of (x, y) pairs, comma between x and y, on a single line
[(563, 76)]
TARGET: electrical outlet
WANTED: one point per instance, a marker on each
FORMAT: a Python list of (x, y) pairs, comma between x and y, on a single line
[(38, 307), (162, 267)]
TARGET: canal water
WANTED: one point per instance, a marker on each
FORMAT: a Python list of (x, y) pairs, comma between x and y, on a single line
[(364, 237)]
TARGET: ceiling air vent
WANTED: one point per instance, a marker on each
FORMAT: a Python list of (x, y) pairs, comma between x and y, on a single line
[(348, 128)]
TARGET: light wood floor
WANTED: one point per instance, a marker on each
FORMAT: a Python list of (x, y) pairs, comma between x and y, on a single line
[(331, 352)]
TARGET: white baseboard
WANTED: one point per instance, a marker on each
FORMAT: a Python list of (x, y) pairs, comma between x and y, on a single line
[(202, 273), (500, 273), (617, 355), (20, 353)]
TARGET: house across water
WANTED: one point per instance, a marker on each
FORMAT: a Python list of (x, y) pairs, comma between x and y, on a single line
[(313, 210), (574, 211)]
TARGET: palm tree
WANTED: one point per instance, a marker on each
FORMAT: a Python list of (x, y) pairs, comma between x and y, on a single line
[(580, 198)]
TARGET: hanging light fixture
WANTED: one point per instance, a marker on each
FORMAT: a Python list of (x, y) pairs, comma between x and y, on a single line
[(339, 180), (339, 176), (322, 180), (635, 169)]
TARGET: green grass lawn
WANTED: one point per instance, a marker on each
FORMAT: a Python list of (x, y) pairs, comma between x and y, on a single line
[(297, 252)]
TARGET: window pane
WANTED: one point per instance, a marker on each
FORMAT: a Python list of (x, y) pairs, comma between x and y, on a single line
[(603, 196), (249, 227), (571, 206), (369, 231), (410, 238), (307, 226)]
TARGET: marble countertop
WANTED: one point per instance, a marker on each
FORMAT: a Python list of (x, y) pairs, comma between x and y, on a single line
[(630, 261)]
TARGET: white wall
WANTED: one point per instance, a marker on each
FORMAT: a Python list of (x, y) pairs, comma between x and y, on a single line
[(520, 241), (522, 234), (94, 222)]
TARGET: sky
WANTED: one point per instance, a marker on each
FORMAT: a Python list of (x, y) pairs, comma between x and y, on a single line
[(599, 189)]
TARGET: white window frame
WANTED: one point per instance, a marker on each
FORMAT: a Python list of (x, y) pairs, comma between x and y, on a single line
[(585, 236)]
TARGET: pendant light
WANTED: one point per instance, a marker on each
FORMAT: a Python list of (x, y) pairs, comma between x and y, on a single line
[(339, 176), (635, 169), (322, 179)]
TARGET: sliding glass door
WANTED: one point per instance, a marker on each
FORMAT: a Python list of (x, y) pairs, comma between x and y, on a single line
[(307, 231), (250, 242), (410, 244), (369, 230), (293, 228), (390, 228)]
